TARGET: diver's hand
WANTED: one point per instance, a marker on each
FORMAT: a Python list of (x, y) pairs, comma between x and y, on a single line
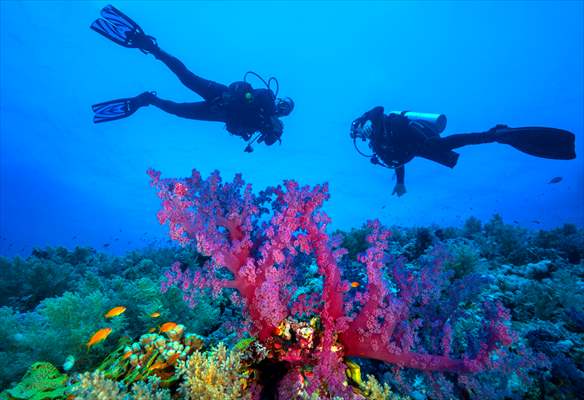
[(399, 189), (273, 132)]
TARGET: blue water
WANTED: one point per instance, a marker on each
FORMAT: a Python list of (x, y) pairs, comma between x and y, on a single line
[(65, 181)]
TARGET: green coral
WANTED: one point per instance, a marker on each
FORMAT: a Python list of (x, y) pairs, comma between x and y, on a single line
[(243, 344), (53, 301), (41, 382), (46, 273), (464, 257)]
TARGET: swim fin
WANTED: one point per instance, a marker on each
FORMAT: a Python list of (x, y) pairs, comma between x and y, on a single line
[(112, 110), (121, 29), (121, 108), (556, 144)]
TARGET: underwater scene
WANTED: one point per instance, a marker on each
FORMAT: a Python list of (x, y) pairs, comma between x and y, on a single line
[(209, 200)]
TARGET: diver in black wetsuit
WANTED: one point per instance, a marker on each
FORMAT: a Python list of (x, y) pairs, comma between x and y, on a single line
[(398, 137), (244, 110)]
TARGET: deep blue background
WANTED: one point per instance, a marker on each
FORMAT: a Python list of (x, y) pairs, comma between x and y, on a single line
[(67, 181)]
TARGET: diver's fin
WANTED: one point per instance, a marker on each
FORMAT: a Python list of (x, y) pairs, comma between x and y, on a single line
[(113, 109), (121, 29), (553, 143), (116, 26)]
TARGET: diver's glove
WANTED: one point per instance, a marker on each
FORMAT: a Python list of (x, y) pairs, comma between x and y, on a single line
[(399, 189)]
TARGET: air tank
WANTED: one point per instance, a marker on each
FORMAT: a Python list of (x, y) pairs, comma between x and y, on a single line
[(438, 121)]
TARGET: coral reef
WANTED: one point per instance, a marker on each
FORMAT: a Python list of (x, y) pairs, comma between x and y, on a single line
[(42, 381), (57, 326), (153, 355), (439, 289), (256, 238), (215, 375), (95, 385)]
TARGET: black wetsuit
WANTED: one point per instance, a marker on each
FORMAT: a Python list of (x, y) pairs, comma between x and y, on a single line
[(396, 140), (243, 109)]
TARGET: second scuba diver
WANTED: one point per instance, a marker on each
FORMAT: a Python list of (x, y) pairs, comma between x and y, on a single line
[(243, 109), (398, 137)]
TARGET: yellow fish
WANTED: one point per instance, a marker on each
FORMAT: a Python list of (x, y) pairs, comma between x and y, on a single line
[(99, 336), (114, 312), (155, 314), (151, 330), (355, 284), (353, 371), (167, 326)]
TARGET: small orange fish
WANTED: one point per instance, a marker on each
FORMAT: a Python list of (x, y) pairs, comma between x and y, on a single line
[(167, 326), (158, 365), (114, 312), (355, 284), (127, 354), (172, 359), (155, 314), (99, 336), (151, 330)]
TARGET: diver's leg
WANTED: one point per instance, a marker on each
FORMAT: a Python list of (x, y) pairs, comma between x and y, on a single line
[(552, 143), (207, 89), (200, 110), (455, 141)]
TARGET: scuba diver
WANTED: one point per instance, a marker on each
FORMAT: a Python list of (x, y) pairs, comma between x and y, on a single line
[(398, 137), (242, 108)]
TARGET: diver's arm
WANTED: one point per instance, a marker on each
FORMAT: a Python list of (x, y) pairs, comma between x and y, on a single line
[(374, 115), (400, 174), (400, 188)]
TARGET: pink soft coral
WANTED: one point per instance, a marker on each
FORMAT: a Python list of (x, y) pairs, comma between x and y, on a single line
[(257, 238)]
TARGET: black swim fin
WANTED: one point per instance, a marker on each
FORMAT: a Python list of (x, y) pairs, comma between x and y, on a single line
[(121, 29), (114, 109), (556, 144)]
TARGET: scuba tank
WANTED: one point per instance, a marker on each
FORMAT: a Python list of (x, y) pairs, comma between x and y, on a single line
[(436, 121)]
